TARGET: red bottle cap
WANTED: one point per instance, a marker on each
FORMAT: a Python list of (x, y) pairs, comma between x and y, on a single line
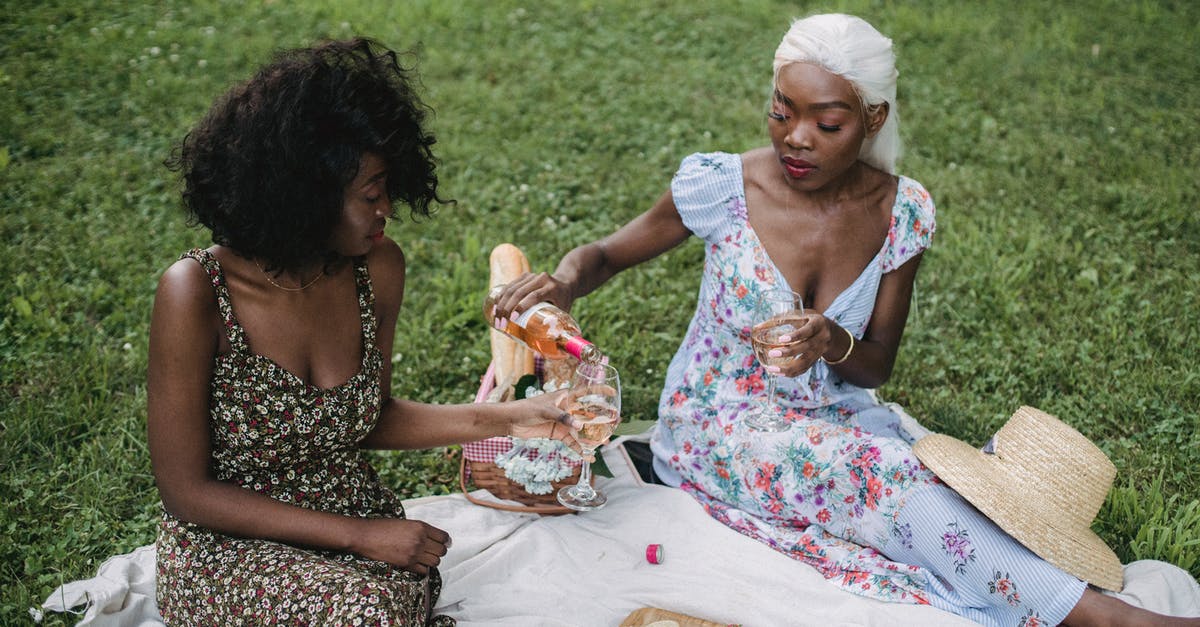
[(654, 553)]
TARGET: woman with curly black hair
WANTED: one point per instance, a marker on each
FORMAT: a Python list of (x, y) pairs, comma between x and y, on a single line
[(267, 374)]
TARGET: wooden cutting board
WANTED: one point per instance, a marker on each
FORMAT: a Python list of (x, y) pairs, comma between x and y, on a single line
[(642, 617)]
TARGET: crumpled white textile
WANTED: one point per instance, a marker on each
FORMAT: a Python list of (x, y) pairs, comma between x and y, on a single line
[(590, 569), (120, 595)]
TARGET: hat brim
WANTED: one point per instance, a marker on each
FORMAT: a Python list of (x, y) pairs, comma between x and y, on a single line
[(983, 481)]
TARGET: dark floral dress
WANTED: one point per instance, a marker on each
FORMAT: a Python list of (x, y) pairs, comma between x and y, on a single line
[(277, 435)]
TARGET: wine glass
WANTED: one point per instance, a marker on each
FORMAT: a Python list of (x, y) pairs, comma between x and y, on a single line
[(776, 314), (595, 401)]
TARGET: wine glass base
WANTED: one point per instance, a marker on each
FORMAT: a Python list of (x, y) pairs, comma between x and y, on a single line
[(572, 497), (764, 421)]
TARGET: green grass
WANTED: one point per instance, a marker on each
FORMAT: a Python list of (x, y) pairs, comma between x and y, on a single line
[(1059, 141)]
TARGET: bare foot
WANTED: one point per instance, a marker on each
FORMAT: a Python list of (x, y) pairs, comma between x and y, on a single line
[(1097, 610)]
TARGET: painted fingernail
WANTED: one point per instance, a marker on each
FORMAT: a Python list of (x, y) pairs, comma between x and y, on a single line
[(512, 315), (785, 338), (775, 352), (773, 369)]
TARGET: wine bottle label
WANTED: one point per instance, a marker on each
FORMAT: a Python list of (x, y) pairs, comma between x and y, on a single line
[(523, 319)]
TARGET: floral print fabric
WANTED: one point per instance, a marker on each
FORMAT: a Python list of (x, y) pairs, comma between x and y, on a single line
[(974, 569), (833, 491), (275, 434)]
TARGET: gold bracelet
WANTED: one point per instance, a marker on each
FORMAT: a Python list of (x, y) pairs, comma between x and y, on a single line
[(848, 350)]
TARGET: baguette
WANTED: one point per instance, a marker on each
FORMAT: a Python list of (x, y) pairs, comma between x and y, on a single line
[(511, 359)]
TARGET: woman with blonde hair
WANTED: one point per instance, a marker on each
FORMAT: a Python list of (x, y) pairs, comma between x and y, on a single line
[(820, 211)]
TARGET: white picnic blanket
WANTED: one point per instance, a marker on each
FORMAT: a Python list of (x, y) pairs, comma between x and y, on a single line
[(590, 569)]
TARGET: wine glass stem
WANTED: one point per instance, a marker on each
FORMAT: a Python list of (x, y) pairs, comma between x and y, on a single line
[(769, 401), (584, 487)]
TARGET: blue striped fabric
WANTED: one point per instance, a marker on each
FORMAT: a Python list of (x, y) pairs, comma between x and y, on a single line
[(976, 570)]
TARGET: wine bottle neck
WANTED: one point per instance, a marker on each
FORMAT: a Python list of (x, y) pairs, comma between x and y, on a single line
[(581, 349)]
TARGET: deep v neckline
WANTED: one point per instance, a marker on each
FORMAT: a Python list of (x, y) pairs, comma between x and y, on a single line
[(239, 346), (248, 353), (299, 381), (779, 276)]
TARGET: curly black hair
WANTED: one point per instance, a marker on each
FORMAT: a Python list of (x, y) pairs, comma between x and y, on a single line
[(265, 170)]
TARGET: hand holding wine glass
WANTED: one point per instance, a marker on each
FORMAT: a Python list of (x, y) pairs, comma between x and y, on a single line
[(778, 315), (542, 416), (594, 402)]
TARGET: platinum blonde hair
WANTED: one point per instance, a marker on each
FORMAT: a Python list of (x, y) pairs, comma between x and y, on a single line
[(851, 48)]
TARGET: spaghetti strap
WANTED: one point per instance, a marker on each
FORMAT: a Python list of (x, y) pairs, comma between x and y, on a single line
[(366, 303), (233, 330)]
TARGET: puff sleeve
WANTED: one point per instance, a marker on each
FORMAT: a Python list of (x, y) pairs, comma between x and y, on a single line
[(707, 188), (913, 224)]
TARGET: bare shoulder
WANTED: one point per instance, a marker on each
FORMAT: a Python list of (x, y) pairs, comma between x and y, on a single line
[(386, 263), (186, 283), (885, 179), (754, 161), (757, 166), (882, 188), (185, 310)]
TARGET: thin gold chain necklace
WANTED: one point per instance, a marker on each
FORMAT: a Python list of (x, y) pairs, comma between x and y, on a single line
[(284, 288)]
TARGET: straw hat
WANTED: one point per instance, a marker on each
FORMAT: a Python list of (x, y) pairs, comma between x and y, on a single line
[(1042, 482)]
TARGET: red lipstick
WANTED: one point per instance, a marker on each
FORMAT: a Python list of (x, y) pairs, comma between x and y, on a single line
[(798, 168)]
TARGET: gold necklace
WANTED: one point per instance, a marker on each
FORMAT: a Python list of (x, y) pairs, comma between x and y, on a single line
[(284, 288)]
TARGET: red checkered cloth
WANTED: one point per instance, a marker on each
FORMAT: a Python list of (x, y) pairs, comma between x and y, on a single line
[(487, 450)]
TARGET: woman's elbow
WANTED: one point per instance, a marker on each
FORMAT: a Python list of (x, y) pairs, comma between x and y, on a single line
[(872, 378), (873, 382), (184, 503)]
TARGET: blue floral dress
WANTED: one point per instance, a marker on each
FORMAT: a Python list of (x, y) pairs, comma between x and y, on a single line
[(841, 490)]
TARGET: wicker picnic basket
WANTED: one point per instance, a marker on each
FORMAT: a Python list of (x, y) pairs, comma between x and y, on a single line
[(478, 468)]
